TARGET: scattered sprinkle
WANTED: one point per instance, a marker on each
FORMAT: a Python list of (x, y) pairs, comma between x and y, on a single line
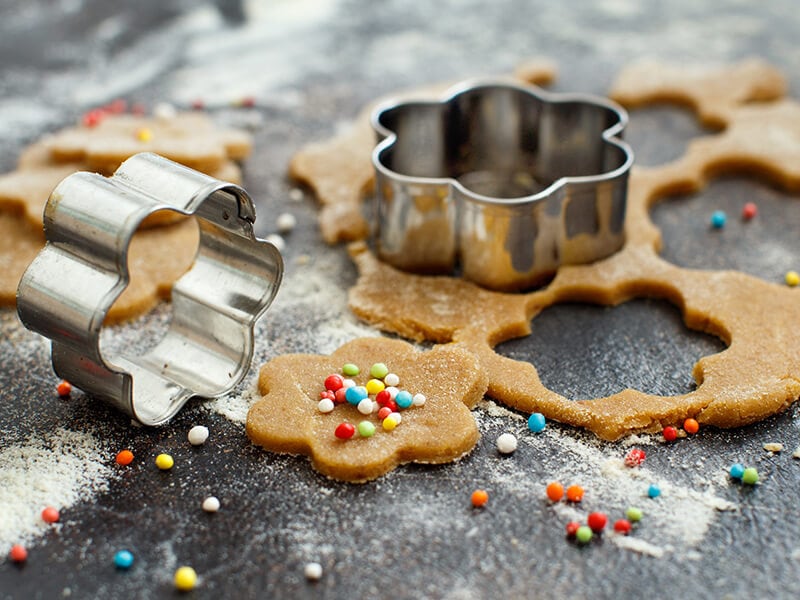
[(296, 195), (670, 433), (375, 386), (397, 417), (773, 447), (718, 218), (325, 405), (379, 371), (750, 476), (555, 491), (575, 493), (344, 431), (479, 498), (572, 528), (123, 559), (634, 514), (404, 399), (366, 429), (792, 278), (653, 491), (389, 423), (536, 422), (356, 394), (313, 571), (391, 379), (584, 534), (506, 443), (622, 526), (64, 388), (334, 382), (365, 406), (144, 134), (185, 579), (749, 211), (50, 515), (796, 453), (635, 457), (277, 241), (211, 504), (124, 458), (420, 399), (691, 426), (198, 435), (164, 111), (18, 553), (350, 369), (164, 462), (597, 521), (286, 222), (736, 471)]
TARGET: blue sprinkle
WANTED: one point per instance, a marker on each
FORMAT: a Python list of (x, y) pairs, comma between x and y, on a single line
[(356, 394), (123, 559), (737, 471), (536, 422), (404, 399), (653, 491), (718, 219)]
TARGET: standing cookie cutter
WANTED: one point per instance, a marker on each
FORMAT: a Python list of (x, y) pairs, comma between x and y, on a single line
[(501, 180), (67, 290)]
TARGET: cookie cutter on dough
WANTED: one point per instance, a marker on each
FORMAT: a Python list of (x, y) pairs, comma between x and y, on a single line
[(69, 287), (501, 179)]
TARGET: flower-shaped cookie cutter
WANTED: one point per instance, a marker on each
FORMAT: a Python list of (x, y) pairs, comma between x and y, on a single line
[(501, 180), (69, 287)]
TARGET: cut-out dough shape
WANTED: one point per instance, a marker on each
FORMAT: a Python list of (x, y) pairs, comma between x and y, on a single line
[(756, 376), (287, 418), (340, 172)]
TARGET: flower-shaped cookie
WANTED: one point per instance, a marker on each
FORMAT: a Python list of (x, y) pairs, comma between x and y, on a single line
[(288, 419)]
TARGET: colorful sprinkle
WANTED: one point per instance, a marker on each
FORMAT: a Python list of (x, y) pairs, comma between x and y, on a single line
[(64, 388), (397, 417), (634, 514), (93, 118), (340, 396), (350, 369), (750, 476), (123, 559), (344, 431), (124, 458), (379, 371), (211, 504), (384, 412), (736, 471), (164, 462), (622, 526), (18, 553), (691, 426), (555, 491), (506, 443), (334, 382), (392, 391), (575, 493), (479, 498), (356, 394), (792, 278), (420, 399), (185, 579), (749, 211), (347, 383), (382, 397), (285, 222), (144, 135), (572, 528), (50, 515), (653, 491), (313, 571), (164, 111), (198, 435), (536, 422), (389, 423), (670, 433), (375, 386), (366, 429), (597, 521), (325, 405), (366, 406), (391, 379), (404, 399), (635, 457), (718, 218), (584, 534)]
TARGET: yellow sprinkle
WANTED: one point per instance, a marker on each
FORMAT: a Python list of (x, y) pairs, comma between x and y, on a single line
[(374, 386), (185, 579), (164, 462), (792, 278), (389, 423), (144, 135)]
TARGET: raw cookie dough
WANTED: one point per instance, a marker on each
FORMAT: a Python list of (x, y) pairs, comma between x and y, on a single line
[(340, 171), (287, 418), (756, 376)]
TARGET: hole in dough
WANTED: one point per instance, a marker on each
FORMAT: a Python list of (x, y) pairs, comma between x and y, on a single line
[(676, 127)]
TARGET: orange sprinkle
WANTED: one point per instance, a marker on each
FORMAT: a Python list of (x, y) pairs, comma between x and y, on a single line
[(18, 553), (555, 491), (574, 493), (691, 426), (124, 457), (479, 498), (64, 388)]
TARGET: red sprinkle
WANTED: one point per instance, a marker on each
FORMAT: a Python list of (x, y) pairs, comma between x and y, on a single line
[(597, 521), (64, 389), (749, 211), (384, 412), (344, 431), (334, 382), (139, 109), (116, 107), (670, 433), (340, 396), (634, 457), (124, 457), (18, 553), (327, 394), (392, 405), (622, 526), (572, 528), (247, 102), (198, 104), (383, 397), (93, 117), (50, 515)]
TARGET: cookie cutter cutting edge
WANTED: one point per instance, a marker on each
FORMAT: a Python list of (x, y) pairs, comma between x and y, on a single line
[(502, 179), (67, 290)]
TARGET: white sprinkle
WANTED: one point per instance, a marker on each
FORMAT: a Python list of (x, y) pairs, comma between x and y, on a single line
[(164, 111), (286, 222), (296, 195), (507, 443), (773, 447), (365, 406), (391, 379), (325, 405), (348, 383), (313, 571), (398, 418), (211, 504), (419, 399), (796, 453), (276, 241), (198, 435), (392, 391)]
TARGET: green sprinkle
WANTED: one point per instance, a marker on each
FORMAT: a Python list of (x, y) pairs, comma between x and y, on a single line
[(379, 370), (366, 429), (350, 369), (584, 534), (634, 514), (750, 476)]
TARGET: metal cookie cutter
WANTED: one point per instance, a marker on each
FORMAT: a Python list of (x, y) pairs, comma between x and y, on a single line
[(503, 180), (69, 287)]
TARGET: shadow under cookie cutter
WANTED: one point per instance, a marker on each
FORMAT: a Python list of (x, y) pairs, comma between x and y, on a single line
[(69, 287), (500, 180)]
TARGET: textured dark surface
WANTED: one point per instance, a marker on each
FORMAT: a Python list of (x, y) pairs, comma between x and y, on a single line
[(412, 533)]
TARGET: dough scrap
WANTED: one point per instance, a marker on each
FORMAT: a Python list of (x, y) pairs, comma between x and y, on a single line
[(757, 375), (339, 170), (286, 419)]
